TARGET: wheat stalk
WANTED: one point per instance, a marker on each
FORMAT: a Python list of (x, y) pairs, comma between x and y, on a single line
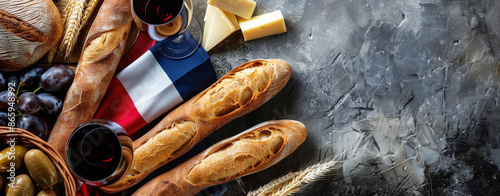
[(67, 9), (75, 16), (89, 9), (296, 181), (51, 54), (72, 27), (64, 15)]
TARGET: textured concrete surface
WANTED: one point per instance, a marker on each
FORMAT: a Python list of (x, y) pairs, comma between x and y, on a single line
[(404, 92)]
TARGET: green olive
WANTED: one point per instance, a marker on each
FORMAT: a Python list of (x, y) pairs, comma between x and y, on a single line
[(12, 158), (41, 168), (46, 192), (22, 186)]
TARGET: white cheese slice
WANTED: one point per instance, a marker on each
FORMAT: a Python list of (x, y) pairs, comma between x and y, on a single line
[(242, 8), (263, 25), (208, 22), (218, 25)]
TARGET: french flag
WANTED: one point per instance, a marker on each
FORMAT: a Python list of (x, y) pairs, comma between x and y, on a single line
[(150, 84)]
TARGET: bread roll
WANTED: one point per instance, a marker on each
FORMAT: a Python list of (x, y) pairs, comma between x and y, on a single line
[(101, 53), (246, 153), (239, 92), (28, 30)]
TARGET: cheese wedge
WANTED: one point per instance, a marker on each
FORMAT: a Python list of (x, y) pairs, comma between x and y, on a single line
[(208, 22), (242, 8), (218, 25), (263, 25), (233, 19)]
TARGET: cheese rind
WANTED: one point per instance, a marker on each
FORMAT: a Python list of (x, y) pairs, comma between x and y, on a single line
[(263, 25), (242, 8), (218, 25)]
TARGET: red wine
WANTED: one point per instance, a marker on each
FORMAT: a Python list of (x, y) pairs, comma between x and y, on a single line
[(95, 153), (157, 11)]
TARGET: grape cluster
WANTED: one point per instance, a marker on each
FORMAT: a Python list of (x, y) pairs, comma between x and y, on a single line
[(33, 96)]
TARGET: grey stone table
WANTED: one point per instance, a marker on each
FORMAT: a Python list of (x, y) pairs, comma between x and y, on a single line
[(404, 92)]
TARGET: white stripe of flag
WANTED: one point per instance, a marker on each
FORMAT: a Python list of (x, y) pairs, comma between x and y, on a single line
[(148, 86)]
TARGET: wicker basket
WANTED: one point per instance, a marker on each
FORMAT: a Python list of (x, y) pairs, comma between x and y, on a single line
[(29, 140)]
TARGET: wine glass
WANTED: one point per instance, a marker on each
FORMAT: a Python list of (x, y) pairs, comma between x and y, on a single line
[(99, 152), (166, 21)]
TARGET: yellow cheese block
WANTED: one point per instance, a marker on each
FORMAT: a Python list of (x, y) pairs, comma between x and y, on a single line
[(242, 8), (263, 25), (218, 25)]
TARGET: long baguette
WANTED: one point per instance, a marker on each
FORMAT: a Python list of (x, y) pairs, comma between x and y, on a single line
[(239, 92), (246, 153), (101, 53)]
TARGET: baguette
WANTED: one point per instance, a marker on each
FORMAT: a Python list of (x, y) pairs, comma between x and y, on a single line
[(239, 92), (246, 153), (101, 53)]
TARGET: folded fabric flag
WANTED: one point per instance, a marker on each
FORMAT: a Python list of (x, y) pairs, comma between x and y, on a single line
[(152, 85), (141, 44)]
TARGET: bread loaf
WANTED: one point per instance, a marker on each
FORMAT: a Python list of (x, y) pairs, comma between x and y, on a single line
[(239, 92), (101, 53), (28, 30), (246, 153)]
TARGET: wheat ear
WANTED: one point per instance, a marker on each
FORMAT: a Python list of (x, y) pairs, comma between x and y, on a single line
[(51, 54), (64, 15), (67, 9), (295, 181), (72, 27), (89, 9)]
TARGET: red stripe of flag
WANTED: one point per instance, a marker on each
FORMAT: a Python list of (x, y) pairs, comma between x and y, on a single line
[(137, 50), (116, 101)]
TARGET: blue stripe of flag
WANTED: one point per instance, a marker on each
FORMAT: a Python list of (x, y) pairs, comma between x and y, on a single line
[(187, 73)]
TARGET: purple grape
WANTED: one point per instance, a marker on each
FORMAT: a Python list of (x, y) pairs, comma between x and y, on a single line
[(4, 118), (5, 103), (57, 78), (3, 81), (50, 103), (31, 77), (13, 82), (29, 103), (32, 124), (4, 100)]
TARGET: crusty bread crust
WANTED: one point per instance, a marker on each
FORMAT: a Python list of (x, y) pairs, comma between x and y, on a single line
[(102, 51), (20, 28), (249, 152), (27, 32), (239, 92)]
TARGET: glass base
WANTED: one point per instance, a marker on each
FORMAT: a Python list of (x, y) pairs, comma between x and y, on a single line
[(183, 45)]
